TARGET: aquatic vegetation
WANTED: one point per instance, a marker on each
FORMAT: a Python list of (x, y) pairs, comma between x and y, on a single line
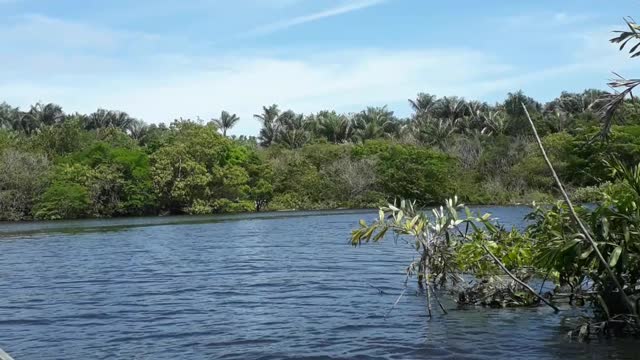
[(595, 252), (451, 246)]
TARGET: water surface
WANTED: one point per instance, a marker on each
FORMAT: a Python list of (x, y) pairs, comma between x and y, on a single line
[(268, 286)]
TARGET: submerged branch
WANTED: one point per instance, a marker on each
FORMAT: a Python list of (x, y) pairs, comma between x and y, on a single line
[(435, 294), (395, 303), (525, 285)]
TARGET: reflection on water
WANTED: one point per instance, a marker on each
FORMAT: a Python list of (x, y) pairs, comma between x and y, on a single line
[(277, 286)]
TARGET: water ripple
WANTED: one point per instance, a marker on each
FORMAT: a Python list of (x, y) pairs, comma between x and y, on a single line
[(239, 288)]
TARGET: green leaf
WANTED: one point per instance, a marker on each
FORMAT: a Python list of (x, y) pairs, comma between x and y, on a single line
[(605, 227), (586, 254), (381, 234), (570, 243), (491, 227), (627, 236), (414, 221), (615, 255)]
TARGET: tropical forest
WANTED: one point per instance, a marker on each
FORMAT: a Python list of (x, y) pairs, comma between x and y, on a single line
[(56, 165), (461, 229)]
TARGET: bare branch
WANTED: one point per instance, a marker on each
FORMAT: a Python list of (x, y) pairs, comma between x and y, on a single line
[(576, 218)]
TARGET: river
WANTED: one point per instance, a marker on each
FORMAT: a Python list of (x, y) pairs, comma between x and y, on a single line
[(252, 286)]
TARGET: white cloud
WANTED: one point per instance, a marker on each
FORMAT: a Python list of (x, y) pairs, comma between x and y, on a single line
[(544, 20), (32, 33), (564, 18), (158, 84), (299, 20), (350, 81), (342, 80)]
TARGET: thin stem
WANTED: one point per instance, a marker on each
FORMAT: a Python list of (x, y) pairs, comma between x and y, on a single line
[(426, 276), (525, 285), (544, 281), (574, 215), (435, 294), (395, 303)]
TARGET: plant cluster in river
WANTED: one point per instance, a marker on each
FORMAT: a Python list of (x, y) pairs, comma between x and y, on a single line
[(450, 246), (503, 263)]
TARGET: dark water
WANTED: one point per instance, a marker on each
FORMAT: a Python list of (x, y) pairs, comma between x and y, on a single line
[(237, 287)]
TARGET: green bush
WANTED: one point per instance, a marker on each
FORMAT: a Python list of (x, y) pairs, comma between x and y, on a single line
[(287, 201), (228, 206), (63, 201), (588, 194), (199, 207)]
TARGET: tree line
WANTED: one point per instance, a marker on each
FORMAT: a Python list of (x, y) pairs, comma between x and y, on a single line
[(55, 165)]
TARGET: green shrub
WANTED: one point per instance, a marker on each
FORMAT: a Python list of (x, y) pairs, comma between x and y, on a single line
[(63, 201), (199, 207), (588, 194), (286, 201)]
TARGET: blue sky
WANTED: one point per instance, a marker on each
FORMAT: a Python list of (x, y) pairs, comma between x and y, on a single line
[(163, 59)]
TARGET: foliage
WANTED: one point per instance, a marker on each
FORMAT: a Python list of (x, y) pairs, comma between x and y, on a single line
[(323, 160), (63, 201), (480, 151), (589, 194), (430, 237), (23, 177), (412, 172), (226, 122), (450, 246)]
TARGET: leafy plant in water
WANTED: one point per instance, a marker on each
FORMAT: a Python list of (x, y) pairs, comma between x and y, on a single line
[(446, 252), (562, 250), (429, 236)]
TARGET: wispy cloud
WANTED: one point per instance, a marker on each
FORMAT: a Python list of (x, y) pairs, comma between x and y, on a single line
[(545, 20), (299, 20), (244, 84), (40, 32), (159, 76)]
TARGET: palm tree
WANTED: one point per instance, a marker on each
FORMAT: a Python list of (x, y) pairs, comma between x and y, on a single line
[(9, 116), (475, 109), (513, 104), (293, 138), (495, 121), (108, 118), (452, 108), (336, 128), (48, 114), (373, 123), (423, 104), (434, 132), (559, 120), (31, 121), (120, 120), (138, 129), (226, 122), (269, 125), (292, 130)]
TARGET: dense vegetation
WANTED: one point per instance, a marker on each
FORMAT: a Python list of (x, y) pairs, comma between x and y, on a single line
[(55, 165), (591, 253)]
